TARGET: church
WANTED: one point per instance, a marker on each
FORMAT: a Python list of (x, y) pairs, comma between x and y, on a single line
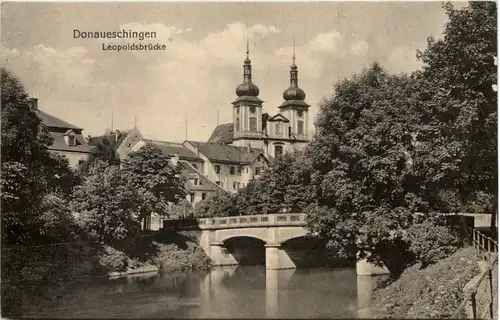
[(274, 134), (236, 152)]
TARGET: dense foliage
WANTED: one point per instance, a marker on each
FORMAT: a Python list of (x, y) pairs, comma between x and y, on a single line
[(106, 204), (155, 182), (29, 171), (459, 107), (288, 184)]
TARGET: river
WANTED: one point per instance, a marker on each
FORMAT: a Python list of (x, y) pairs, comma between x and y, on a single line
[(227, 292)]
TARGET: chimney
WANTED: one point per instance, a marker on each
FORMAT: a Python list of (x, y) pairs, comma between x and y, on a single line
[(197, 150), (249, 148), (175, 159), (34, 103)]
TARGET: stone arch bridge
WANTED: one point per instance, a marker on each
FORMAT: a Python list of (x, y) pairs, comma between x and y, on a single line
[(273, 230)]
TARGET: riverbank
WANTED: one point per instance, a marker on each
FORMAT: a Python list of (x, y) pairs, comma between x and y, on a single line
[(433, 292), (32, 274)]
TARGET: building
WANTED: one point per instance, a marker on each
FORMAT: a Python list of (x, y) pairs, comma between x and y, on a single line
[(198, 186), (239, 151), (68, 139), (230, 167), (273, 134)]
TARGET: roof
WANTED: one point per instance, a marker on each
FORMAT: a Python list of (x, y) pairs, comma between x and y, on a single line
[(171, 148), (217, 152), (295, 103), (206, 184), (61, 145), (222, 134), (121, 137), (51, 121), (248, 99), (108, 137), (278, 117)]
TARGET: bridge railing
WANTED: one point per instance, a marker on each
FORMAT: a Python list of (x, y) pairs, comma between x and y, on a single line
[(288, 219)]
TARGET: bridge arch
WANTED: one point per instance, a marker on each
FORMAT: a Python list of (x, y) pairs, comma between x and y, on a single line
[(224, 235)]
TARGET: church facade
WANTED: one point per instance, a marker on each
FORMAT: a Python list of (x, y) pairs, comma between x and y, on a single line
[(285, 131)]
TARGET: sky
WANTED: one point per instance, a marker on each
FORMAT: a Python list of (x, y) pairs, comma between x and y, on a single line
[(196, 76)]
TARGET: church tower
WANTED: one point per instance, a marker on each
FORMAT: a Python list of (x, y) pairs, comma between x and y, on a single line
[(247, 110), (294, 108)]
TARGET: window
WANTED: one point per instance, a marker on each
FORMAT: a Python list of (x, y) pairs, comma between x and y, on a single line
[(80, 161), (246, 170), (191, 197), (300, 127), (203, 196), (252, 109), (257, 171), (239, 170), (278, 128), (195, 181), (217, 183), (253, 124), (231, 170), (258, 158), (237, 124), (278, 151), (71, 141), (234, 186), (300, 113), (217, 169)]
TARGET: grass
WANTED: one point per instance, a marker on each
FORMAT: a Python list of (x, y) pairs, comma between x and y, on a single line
[(433, 292)]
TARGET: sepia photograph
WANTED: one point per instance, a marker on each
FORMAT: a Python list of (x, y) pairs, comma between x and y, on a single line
[(258, 160)]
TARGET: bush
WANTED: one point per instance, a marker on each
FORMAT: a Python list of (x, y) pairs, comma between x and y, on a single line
[(171, 258), (431, 241), (113, 260)]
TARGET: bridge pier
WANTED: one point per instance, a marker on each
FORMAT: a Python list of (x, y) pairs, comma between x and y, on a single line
[(277, 258), (220, 255)]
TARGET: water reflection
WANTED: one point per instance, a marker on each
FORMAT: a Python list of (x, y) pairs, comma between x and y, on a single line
[(229, 292)]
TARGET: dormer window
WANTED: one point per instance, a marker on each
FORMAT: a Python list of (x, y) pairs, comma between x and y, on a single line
[(70, 137), (217, 169)]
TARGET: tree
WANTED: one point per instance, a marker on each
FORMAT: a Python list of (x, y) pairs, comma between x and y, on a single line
[(29, 170), (106, 204), (285, 184), (182, 209), (222, 204), (364, 150), (158, 183), (248, 200), (103, 150), (459, 106)]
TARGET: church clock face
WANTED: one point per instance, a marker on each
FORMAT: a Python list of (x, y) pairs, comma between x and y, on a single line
[(252, 109)]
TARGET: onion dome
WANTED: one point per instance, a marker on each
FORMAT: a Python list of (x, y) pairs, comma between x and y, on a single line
[(294, 92), (247, 88)]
